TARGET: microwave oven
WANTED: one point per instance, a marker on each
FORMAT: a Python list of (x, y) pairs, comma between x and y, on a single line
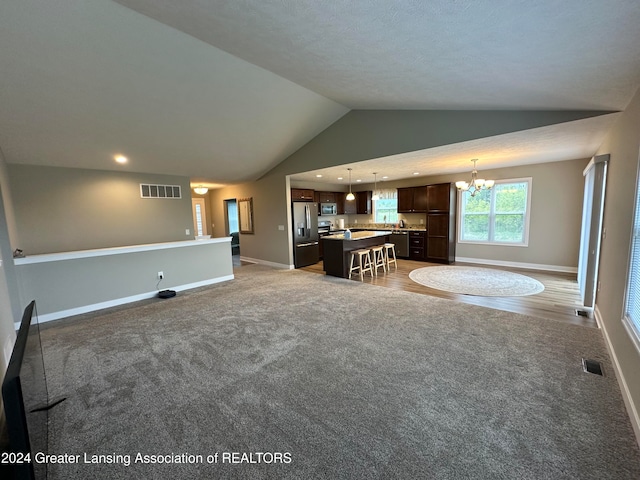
[(328, 209)]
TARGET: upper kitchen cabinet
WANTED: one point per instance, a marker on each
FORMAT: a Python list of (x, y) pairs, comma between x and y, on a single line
[(412, 200), (438, 197), (327, 197), (361, 205), (363, 201), (301, 195)]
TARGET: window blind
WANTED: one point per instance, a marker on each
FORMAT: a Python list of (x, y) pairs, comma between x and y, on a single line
[(633, 286)]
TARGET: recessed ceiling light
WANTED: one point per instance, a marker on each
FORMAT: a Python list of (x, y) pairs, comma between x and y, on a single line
[(339, 178), (318, 176), (416, 173), (358, 180), (120, 159), (386, 176)]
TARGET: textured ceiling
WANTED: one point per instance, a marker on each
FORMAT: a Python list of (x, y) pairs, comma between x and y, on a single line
[(571, 140), (436, 54), (223, 91)]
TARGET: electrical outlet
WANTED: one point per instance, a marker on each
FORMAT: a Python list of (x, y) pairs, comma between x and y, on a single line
[(187, 231), (160, 275)]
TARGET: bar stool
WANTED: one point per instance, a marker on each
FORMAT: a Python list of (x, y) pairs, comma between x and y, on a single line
[(378, 259), (390, 247), (364, 263)]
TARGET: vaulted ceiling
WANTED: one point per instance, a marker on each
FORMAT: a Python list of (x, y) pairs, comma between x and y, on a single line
[(223, 91)]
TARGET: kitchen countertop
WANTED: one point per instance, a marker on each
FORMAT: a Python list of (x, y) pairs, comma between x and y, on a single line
[(359, 235), (406, 229)]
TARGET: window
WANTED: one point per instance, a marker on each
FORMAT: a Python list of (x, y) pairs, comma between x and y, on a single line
[(499, 216), (385, 210), (632, 301)]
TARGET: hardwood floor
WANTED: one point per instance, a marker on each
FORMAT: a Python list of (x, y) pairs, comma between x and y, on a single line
[(559, 301)]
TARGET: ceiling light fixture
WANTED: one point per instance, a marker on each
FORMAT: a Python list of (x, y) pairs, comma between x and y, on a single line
[(375, 187), (120, 159), (350, 196), (201, 189), (476, 184)]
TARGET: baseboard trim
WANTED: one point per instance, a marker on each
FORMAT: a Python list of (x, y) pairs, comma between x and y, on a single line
[(527, 266), (266, 262), (47, 317), (624, 388)]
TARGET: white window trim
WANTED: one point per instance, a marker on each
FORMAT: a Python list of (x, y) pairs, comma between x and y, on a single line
[(630, 326), (527, 216)]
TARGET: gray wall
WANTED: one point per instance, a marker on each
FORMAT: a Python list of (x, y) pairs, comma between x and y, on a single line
[(85, 283), (68, 209), (623, 144), (270, 199), (556, 214), (362, 135)]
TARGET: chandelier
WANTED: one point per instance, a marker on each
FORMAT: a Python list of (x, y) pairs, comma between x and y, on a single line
[(476, 184)]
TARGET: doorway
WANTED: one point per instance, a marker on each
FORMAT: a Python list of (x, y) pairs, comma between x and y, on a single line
[(232, 225)]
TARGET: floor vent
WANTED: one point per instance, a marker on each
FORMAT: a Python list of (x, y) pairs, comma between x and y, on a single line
[(582, 313), (592, 366)]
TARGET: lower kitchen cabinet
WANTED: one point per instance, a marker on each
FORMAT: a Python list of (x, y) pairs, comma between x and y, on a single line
[(417, 245)]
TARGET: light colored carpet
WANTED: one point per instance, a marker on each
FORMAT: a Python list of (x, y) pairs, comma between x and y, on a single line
[(355, 381), (484, 282)]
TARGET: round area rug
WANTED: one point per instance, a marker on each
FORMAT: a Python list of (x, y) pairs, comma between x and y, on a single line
[(484, 282)]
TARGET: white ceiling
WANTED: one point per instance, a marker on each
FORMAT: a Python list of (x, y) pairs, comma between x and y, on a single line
[(223, 91)]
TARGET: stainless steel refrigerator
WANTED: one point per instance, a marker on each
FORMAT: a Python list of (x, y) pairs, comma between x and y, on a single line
[(306, 248)]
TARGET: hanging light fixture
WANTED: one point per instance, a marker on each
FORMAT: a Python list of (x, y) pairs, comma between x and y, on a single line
[(201, 189), (476, 184), (375, 187), (350, 196)]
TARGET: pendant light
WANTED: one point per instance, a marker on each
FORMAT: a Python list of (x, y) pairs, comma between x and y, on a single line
[(350, 196), (375, 187)]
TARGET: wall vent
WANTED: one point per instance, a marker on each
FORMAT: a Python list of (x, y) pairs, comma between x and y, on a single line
[(160, 191)]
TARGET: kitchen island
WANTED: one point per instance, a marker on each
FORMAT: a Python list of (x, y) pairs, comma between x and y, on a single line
[(336, 249)]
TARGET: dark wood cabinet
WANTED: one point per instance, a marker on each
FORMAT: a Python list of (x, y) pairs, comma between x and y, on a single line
[(441, 223), (350, 206), (339, 196), (363, 202), (412, 200), (417, 245), (326, 197), (302, 195), (405, 200), (361, 205), (438, 197)]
